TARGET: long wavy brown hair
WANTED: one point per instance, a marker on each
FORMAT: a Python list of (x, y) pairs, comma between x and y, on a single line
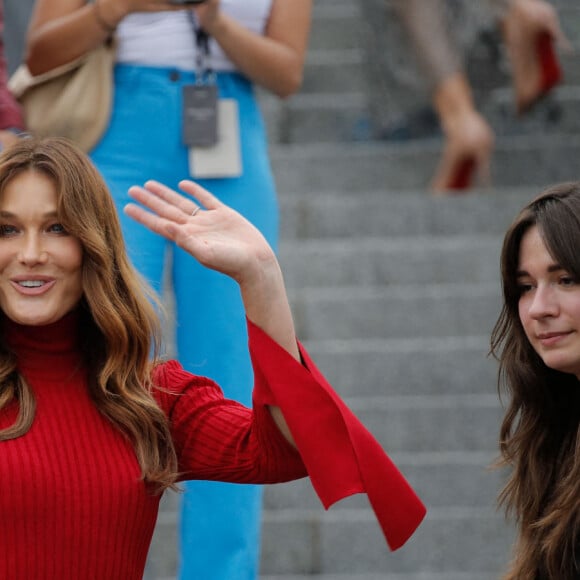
[(540, 435), (120, 322)]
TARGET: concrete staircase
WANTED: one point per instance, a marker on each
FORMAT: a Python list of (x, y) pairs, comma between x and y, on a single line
[(395, 293)]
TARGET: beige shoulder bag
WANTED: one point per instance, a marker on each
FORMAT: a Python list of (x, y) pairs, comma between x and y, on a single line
[(73, 100)]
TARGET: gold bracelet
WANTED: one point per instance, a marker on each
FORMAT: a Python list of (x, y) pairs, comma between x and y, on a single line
[(102, 22)]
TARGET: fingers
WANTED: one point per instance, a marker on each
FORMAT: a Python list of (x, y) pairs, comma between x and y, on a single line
[(168, 207), (169, 196), (163, 202), (146, 218), (202, 195), (171, 204)]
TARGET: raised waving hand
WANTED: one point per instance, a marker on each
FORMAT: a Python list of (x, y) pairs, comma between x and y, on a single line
[(221, 239)]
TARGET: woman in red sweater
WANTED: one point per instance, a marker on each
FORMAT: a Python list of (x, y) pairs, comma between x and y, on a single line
[(94, 425)]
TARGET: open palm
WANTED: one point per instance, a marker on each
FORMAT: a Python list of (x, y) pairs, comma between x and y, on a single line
[(216, 235)]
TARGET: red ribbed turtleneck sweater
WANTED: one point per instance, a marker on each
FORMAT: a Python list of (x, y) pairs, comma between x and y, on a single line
[(72, 504), (70, 498)]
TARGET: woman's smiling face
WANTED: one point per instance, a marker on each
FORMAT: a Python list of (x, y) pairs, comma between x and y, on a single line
[(549, 305), (40, 263)]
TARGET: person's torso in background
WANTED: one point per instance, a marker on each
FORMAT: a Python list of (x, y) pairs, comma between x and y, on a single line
[(167, 38)]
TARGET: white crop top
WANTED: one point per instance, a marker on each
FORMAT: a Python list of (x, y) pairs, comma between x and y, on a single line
[(167, 38)]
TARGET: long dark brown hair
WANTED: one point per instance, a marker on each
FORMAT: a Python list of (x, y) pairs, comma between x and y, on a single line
[(540, 435), (121, 328)]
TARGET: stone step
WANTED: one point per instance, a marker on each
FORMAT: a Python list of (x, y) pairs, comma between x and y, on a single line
[(344, 3), (559, 4), (559, 112), (380, 576), (327, 215), (349, 542), (334, 70), (462, 479), (423, 423), (448, 365), (453, 486), (517, 161), (347, 117), (485, 74), (396, 312), (162, 561), (385, 261), (449, 540), (337, 25), (319, 117)]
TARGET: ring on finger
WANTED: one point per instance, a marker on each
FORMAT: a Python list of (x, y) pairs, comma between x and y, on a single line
[(195, 210)]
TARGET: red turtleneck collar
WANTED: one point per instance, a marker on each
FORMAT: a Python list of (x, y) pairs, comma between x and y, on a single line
[(48, 352)]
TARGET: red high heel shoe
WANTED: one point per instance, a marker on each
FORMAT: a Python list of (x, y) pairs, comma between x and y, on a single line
[(463, 174), (550, 69)]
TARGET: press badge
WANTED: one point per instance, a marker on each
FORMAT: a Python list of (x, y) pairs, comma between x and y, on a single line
[(224, 158), (200, 115)]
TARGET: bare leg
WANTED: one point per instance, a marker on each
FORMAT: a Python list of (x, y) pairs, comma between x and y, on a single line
[(522, 26), (468, 137), (428, 30)]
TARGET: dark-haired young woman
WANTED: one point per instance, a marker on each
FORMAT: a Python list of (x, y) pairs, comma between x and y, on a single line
[(537, 341)]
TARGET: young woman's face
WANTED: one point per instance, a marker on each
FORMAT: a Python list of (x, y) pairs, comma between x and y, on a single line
[(549, 305), (40, 264)]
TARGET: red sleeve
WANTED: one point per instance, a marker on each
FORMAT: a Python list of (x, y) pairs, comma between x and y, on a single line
[(10, 114), (220, 439), (340, 454)]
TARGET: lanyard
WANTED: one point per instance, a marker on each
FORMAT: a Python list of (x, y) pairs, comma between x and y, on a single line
[(203, 72)]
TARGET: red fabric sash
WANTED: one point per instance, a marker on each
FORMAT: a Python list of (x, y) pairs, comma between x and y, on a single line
[(342, 457)]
